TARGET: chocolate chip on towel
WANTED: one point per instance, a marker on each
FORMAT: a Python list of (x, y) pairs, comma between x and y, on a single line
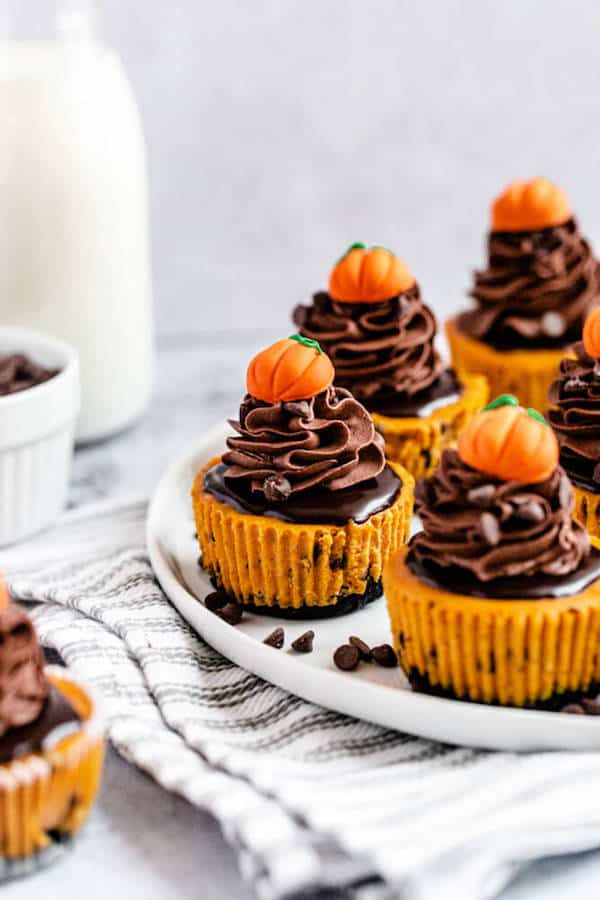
[(230, 613), (346, 657), (304, 643), (363, 649), (275, 639), (384, 655), (216, 600)]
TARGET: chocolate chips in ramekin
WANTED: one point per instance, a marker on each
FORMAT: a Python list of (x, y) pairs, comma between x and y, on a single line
[(18, 373)]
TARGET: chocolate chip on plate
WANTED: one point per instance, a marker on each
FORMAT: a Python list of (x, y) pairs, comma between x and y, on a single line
[(591, 707), (216, 600), (304, 643), (574, 709), (275, 639), (346, 657), (384, 655), (363, 649), (230, 613)]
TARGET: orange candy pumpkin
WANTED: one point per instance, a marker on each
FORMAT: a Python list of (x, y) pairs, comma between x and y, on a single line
[(368, 276), (529, 205), (591, 334), (292, 369), (509, 442)]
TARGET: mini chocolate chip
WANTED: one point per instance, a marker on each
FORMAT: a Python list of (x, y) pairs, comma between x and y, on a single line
[(216, 600), (276, 488), (530, 512), (482, 495), (304, 643), (230, 613), (489, 529), (346, 657), (592, 707), (384, 655), (573, 385), (275, 639), (573, 709), (299, 408), (553, 324), (363, 649)]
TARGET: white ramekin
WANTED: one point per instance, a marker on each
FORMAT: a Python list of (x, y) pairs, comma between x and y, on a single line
[(37, 429)]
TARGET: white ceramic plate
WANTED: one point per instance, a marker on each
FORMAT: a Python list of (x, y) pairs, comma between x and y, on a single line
[(370, 692)]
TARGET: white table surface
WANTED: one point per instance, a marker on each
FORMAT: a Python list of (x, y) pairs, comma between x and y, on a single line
[(141, 842)]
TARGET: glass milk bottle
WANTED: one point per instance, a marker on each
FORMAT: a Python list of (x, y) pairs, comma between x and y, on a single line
[(74, 246)]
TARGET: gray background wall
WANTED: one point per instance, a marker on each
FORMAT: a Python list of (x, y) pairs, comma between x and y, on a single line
[(280, 132)]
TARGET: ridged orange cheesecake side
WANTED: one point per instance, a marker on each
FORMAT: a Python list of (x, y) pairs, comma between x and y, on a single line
[(265, 562)]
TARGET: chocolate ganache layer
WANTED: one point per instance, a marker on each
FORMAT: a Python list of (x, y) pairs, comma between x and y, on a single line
[(30, 708), (382, 352), (499, 539), (317, 460), (575, 417), (537, 290)]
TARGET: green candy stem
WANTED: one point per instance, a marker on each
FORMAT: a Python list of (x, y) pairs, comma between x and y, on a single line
[(536, 415), (307, 342), (356, 246), (502, 400)]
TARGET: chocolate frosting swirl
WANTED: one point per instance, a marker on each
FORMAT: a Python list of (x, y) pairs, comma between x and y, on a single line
[(23, 685), (376, 348), (328, 442), (576, 417), (494, 529), (537, 290)]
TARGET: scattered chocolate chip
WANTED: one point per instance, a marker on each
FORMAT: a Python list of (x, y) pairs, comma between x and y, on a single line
[(482, 495), (216, 600), (591, 707), (363, 649), (276, 488), (573, 709), (346, 657), (230, 613), (489, 529), (300, 408), (304, 643), (530, 512), (384, 655), (275, 639)]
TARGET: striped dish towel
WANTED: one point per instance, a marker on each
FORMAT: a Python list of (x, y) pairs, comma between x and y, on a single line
[(317, 805)]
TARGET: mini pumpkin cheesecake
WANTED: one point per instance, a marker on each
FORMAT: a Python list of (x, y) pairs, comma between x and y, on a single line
[(300, 514), (380, 337), (51, 748), (541, 281), (497, 599), (575, 417)]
